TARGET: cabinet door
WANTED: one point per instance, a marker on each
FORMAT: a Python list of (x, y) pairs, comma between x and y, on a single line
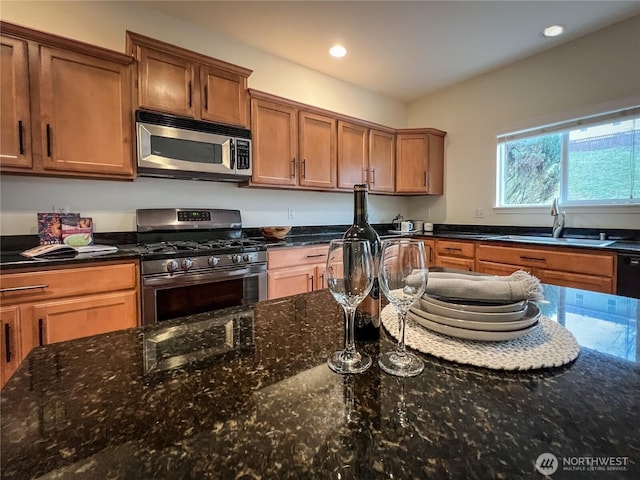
[(420, 163), (320, 282), (576, 280), (62, 320), (85, 113), (10, 353), (382, 161), (15, 118), (430, 252), (317, 146), (275, 133), (411, 164), (352, 154), (224, 96), (290, 281), (166, 82)]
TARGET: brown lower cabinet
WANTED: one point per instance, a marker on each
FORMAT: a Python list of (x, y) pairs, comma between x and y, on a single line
[(455, 254), (575, 268), (42, 307), (296, 270)]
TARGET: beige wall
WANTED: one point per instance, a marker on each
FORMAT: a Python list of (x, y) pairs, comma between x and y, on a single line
[(594, 73), (113, 204), (601, 69)]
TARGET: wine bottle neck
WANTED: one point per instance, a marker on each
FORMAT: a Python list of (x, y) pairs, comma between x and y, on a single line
[(360, 214)]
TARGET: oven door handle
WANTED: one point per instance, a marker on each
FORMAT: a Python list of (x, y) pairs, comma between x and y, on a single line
[(193, 278)]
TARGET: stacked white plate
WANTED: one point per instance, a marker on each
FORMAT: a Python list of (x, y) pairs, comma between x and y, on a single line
[(476, 321)]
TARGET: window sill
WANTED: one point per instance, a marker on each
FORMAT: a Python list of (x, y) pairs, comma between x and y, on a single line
[(589, 209)]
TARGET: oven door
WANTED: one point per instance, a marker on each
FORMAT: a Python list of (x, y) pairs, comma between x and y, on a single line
[(170, 296), (162, 148)]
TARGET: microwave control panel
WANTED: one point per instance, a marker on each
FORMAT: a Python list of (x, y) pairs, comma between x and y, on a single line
[(243, 154)]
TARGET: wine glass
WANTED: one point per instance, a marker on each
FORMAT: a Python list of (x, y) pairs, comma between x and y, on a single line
[(403, 279), (350, 275)]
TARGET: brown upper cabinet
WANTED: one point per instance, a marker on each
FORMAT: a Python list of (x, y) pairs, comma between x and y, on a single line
[(66, 107), (15, 128), (292, 147), (317, 137), (365, 155), (304, 147), (182, 82), (420, 161)]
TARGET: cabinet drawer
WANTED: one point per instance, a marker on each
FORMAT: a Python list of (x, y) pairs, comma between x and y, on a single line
[(455, 249), (596, 263), (55, 284), (577, 280), (287, 257)]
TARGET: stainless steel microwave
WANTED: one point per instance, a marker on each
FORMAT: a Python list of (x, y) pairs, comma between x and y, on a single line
[(177, 147)]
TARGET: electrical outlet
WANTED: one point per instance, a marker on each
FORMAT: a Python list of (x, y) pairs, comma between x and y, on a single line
[(428, 213), (478, 212), (290, 213)]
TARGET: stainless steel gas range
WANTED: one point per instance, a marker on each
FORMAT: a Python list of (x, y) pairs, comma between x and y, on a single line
[(196, 260)]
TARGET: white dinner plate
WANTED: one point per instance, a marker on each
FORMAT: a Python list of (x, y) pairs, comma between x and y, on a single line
[(466, 334), (475, 306), (531, 317), (435, 308)]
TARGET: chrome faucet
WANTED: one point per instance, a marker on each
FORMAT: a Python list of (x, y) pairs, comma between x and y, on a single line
[(558, 219)]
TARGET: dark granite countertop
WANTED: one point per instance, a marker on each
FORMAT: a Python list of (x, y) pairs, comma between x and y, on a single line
[(256, 400), (624, 241), (13, 260)]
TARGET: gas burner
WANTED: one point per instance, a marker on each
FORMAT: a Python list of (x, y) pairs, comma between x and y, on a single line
[(160, 247)]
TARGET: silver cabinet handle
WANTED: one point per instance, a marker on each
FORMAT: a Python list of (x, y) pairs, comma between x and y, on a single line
[(19, 289)]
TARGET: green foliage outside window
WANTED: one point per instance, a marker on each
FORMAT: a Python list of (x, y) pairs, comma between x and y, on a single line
[(532, 168)]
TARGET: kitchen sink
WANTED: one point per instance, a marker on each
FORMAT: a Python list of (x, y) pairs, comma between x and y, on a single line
[(577, 242)]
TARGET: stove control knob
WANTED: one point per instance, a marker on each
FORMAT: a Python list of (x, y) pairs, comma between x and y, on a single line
[(213, 261), (187, 263), (172, 266), (236, 258), (246, 257)]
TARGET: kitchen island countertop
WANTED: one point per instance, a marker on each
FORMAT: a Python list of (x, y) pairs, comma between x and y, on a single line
[(245, 393)]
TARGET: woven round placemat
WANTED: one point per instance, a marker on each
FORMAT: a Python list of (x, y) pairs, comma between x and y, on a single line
[(547, 345)]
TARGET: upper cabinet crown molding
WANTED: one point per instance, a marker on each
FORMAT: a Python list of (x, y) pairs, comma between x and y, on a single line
[(175, 80), (52, 40), (135, 39)]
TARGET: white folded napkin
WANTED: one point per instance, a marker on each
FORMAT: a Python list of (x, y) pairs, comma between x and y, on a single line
[(518, 286)]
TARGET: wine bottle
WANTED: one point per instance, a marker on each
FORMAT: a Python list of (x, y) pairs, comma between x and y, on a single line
[(367, 321)]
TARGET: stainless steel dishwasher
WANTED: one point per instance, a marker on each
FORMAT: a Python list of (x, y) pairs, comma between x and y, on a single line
[(629, 275)]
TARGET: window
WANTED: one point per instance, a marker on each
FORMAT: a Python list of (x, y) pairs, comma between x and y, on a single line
[(590, 161)]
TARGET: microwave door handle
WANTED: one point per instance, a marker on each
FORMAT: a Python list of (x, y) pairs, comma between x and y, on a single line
[(232, 163)]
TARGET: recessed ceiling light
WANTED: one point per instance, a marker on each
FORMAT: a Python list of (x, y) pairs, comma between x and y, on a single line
[(338, 51), (553, 31)]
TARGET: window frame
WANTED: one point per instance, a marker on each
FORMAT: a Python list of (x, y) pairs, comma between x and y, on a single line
[(563, 128)]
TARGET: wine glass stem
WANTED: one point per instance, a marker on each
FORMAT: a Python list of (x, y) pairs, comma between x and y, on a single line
[(402, 317), (349, 339)]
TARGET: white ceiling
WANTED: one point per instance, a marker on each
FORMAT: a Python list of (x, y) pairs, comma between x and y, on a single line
[(402, 49)]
